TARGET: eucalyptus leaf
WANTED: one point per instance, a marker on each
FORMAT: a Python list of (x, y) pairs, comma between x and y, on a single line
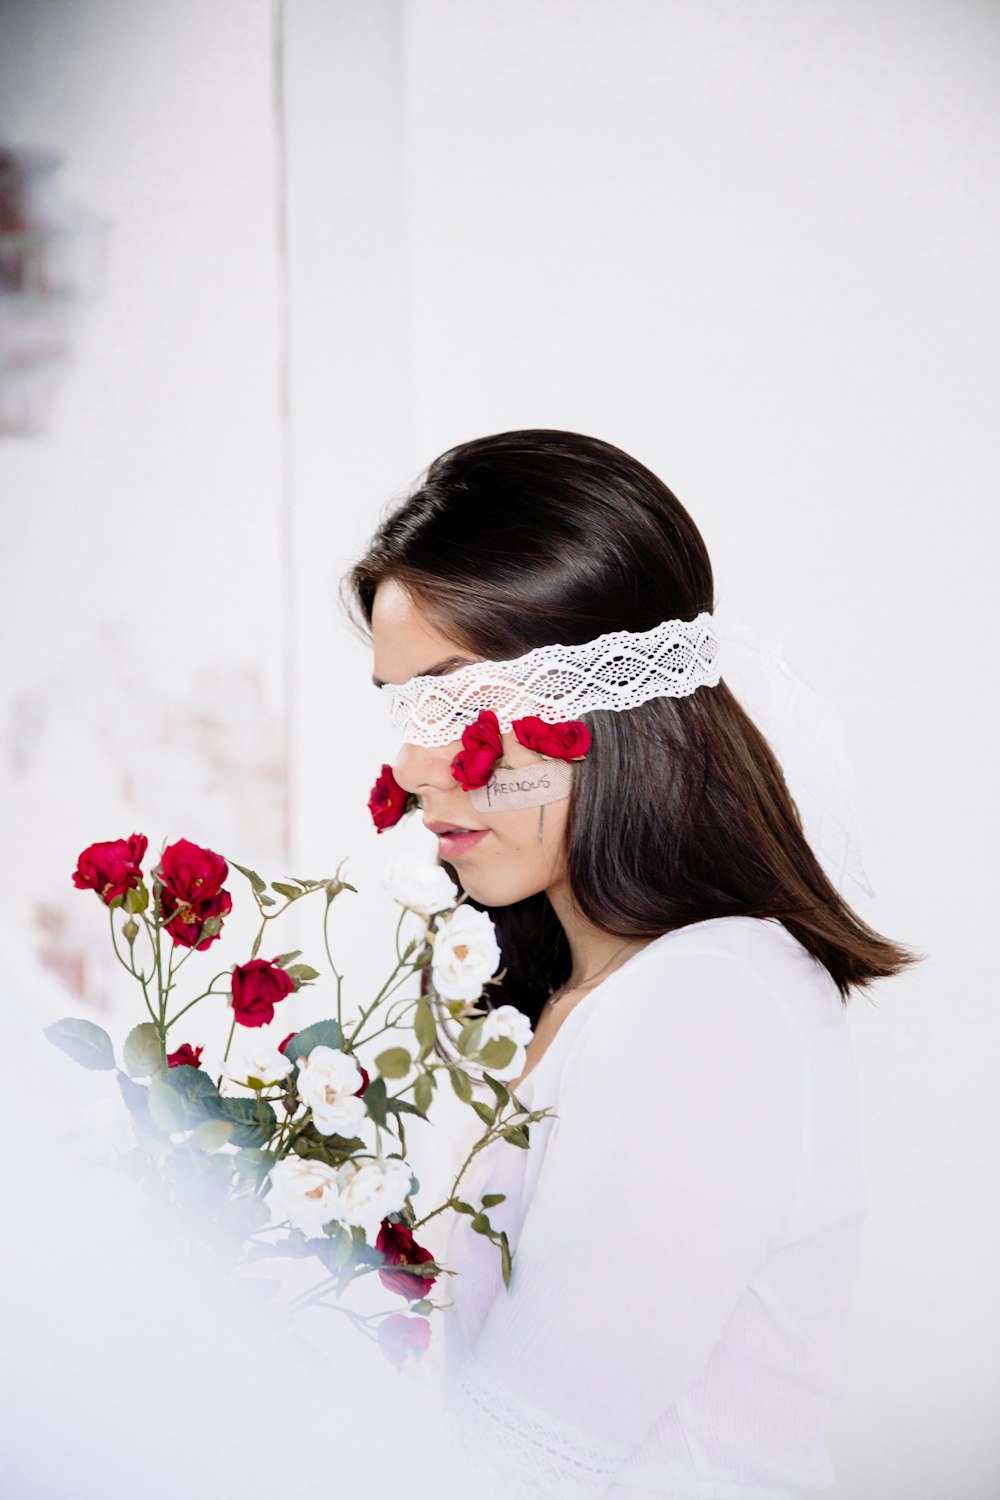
[(504, 1258), (461, 1084), (259, 885), (423, 1092), (394, 1062), (469, 1037), (502, 1094), (141, 1052), (85, 1043), (424, 1027), (291, 892), (302, 973), (497, 1052)]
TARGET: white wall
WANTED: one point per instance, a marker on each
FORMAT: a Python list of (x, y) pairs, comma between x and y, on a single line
[(754, 245)]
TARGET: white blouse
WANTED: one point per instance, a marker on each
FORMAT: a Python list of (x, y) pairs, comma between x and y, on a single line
[(685, 1235)]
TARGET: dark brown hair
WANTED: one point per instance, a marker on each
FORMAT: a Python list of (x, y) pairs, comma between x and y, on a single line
[(680, 812)]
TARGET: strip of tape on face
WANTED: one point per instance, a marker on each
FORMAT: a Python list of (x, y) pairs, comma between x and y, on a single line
[(533, 785)]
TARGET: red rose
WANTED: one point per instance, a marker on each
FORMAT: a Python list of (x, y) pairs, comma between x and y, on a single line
[(482, 747), (257, 987), (111, 868), (365, 1080), (567, 741), (284, 1044), (192, 893), (387, 801), (186, 1056), (400, 1249), (400, 1336)]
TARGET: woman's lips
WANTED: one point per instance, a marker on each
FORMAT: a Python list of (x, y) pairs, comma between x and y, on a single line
[(453, 845)]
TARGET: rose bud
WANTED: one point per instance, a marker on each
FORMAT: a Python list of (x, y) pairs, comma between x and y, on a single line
[(401, 1338), (569, 740), (112, 868), (387, 801), (130, 930), (482, 747), (400, 1249), (257, 987), (186, 1056)]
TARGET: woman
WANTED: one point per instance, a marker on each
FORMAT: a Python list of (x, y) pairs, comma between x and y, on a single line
[(685, 1221)]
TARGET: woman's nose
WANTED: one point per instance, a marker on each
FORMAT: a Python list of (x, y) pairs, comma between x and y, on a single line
[(418, 767)]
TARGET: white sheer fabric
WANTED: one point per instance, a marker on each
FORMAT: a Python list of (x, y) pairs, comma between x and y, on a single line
[(684, 1234)]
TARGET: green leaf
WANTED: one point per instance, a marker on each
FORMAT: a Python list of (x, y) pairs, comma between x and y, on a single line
[(168, 1109), (85, 1043), (197, 1090), (484, 1112), (503, 1097), (319, 1034), (302, 973), (424, 1027), (252, 1164), (481, 1224), (517, 1135), (286, 958), (461, 1207), (136, 899), (469, 1037), (292, 892), (212, 1135), (423, 1091), (142, 1051), (498, 1052), (460, 1083), (504, 1258), (490, 1200), (394, 1062), (267, 901), (243, 1113), (375, 1100), (259, 885)]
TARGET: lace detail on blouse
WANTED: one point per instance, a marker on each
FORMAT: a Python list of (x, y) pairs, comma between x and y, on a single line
[(554, 1457)]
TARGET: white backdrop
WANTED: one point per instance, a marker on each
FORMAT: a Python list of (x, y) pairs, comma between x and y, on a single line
[(754, 245)]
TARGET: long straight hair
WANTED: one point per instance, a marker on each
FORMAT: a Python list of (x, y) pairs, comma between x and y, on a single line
[(680, 811)]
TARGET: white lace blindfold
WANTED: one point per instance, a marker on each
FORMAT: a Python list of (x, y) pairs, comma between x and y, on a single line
[(624, 669)]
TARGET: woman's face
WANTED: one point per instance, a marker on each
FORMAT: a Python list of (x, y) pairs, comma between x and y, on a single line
[(503, 860)]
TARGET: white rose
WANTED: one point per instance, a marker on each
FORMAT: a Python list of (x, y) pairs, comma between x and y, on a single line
[(328, 1084), (508, 1022), (261, 1061), (465, 954), (371, 1189), (419, 886), (305, 1192)]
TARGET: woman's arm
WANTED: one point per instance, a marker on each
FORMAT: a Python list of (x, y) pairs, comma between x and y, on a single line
[(673, 1164)]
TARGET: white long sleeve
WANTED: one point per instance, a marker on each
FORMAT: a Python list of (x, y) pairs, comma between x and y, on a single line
[(683, 1237)]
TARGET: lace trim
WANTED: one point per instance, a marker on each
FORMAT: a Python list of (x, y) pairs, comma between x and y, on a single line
[(557, 1458), (615, 671)]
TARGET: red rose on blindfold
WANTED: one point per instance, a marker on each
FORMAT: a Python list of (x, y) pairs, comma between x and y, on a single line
[(569, 740), (482, 747), (400, 1337)]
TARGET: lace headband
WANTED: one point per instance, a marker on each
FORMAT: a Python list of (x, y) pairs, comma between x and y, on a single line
[(615, 671)]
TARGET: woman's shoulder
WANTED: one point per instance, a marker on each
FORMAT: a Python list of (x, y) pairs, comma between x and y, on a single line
[(747, 960)]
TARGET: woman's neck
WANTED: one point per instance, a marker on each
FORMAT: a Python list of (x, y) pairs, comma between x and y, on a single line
[(592, 950)]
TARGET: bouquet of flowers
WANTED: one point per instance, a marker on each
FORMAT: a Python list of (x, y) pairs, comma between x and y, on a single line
[(300, 1148)]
